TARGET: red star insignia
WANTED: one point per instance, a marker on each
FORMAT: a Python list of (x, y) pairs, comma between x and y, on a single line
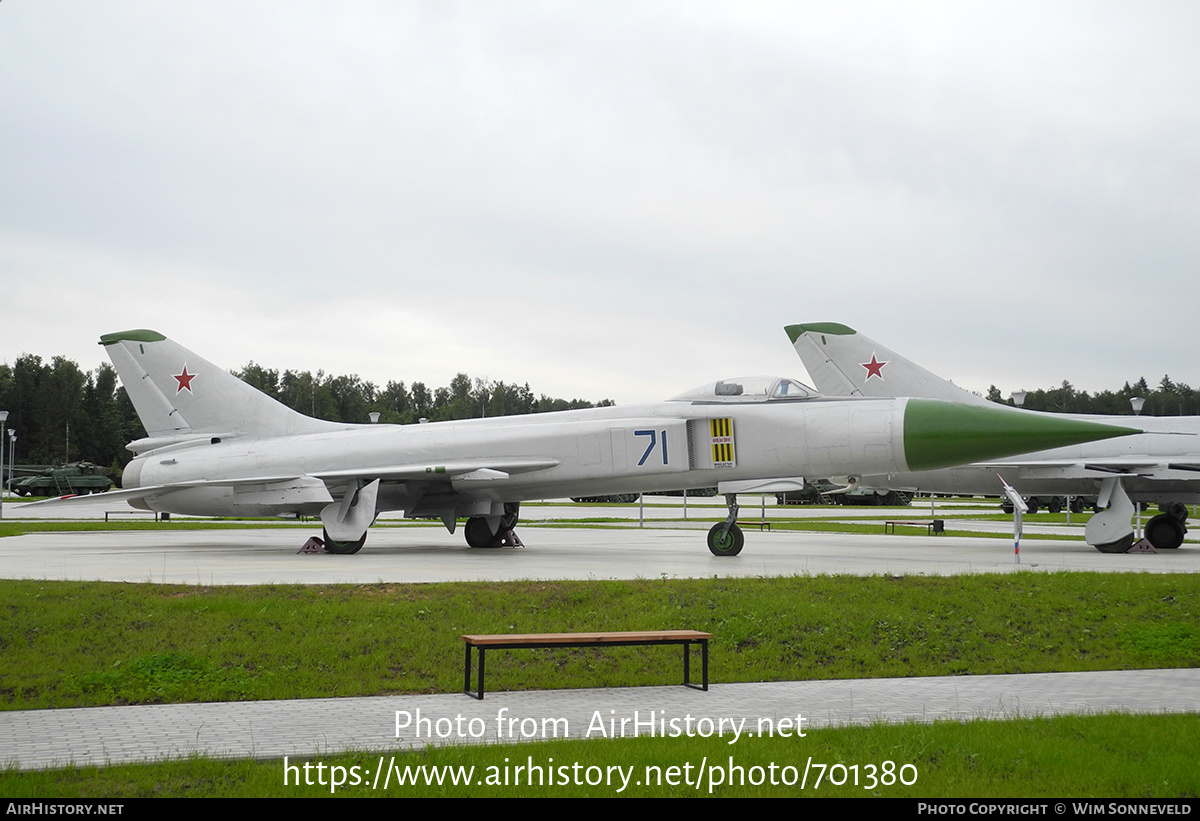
[(185, 380), (874, 367)]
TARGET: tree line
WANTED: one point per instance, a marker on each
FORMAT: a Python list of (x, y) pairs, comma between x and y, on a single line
[(1168, 399), (64, 414), (352, 399)]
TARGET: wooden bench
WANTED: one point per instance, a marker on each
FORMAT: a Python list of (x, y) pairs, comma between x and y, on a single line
[(761, 524), (931, 525), (627, 639)]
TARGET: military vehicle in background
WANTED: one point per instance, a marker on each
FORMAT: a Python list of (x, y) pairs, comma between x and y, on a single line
[(78, 478), (1053, 504)]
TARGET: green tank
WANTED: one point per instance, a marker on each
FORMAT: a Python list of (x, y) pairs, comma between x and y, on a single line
[(78, 478)]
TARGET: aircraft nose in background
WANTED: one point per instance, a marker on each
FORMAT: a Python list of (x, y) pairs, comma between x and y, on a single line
[(941, 434)]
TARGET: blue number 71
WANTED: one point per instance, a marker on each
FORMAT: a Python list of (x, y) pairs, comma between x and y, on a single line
[(650, 447)]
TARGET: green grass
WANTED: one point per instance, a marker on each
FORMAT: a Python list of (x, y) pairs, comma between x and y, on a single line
[(65, 644), (1111, 756), (21, 528), (68, 644)]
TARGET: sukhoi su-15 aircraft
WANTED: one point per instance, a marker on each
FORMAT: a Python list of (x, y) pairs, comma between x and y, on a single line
[(216, 446), (1161, 465)]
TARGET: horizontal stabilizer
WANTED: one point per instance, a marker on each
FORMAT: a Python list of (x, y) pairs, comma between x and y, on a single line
[(478, 470), (101, 498), (155, 491)]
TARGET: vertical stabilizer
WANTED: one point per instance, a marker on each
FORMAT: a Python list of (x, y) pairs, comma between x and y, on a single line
[(843, 362), (176, 392)]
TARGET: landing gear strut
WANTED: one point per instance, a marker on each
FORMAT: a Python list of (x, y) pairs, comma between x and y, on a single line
[(350, 517), (726, 538), (1109, 531)]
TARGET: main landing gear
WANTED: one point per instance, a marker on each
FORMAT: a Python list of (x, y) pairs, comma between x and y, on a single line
[(349, 518), (726, 538), (494, 531), (1110, 531), (1166, 530)]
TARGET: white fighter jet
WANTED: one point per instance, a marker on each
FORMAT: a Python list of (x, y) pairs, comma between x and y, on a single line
[(215, 446), (1160, 466)]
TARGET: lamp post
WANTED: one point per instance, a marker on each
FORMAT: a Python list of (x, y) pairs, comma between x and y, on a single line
[(3, 422), (12, 453)]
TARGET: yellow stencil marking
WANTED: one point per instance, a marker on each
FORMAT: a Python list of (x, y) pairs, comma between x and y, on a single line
[(721, 432)]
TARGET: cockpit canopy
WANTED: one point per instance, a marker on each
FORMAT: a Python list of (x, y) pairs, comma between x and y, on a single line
[(748, 389)]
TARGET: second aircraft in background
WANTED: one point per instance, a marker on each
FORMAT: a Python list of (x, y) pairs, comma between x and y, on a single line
[(1161, 466)]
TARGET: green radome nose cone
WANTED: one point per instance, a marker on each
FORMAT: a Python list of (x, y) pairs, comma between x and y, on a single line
[(940, 434)]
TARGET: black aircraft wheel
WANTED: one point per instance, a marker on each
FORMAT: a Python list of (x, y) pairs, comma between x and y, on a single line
[(343, 548), (725, 543), (480, 535), (1165, 532), (1121, 545)]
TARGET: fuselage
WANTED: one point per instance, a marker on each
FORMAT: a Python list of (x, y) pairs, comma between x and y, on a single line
[(670, 445)]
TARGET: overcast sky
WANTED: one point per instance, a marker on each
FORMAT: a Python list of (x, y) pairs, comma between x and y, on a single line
[(605, 199)]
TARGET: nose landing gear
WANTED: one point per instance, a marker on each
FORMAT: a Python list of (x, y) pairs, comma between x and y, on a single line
[(726, 538)]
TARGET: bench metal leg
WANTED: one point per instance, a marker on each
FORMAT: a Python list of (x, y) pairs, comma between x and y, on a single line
[(467, 673), (467, 670), (687, 659)]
